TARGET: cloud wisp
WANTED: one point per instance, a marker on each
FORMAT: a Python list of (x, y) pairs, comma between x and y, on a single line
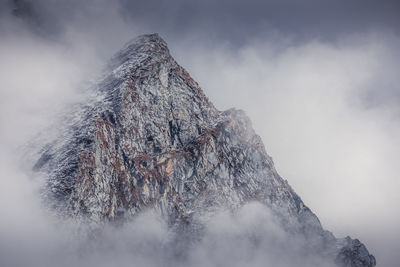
[(313, 105), (327, 111)]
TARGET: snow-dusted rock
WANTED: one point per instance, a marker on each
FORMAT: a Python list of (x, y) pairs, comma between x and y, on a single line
[(154, 140)]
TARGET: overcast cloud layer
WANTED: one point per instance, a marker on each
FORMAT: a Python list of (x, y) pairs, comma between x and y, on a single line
[(318, 79)]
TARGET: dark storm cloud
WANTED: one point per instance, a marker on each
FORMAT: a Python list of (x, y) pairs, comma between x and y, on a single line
[(238, 20), (231, 20)]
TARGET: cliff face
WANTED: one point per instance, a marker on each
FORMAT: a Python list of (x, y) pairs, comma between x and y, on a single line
[(152, 139)]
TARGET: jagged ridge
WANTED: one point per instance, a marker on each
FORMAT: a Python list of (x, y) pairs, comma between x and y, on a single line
[(153, 139)]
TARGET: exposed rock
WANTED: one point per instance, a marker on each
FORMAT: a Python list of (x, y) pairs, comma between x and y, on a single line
[(354, 253), (152, 139)]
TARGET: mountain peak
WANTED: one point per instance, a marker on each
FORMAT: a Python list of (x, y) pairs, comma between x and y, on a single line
[(156, 141), (150, 45), (148, 38)]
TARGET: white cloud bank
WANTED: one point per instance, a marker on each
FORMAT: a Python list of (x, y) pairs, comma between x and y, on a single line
[(328, 114)]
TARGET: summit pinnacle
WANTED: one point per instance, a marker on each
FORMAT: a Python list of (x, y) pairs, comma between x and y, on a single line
[(154, 140)]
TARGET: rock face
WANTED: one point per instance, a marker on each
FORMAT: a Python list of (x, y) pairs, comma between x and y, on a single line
[(152, 139)]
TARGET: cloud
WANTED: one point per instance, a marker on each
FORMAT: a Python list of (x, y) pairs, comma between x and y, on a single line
[(325, 107), (315, 108), (250, 236)]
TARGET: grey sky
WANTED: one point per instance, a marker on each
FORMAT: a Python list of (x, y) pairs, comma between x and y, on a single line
[(234, 21), (238, 20), (319, 80)]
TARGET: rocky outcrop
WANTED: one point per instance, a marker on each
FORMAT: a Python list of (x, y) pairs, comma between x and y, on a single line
[(354, 253), (152, 139)]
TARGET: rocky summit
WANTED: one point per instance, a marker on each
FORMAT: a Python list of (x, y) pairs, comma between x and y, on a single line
[(151, 139)]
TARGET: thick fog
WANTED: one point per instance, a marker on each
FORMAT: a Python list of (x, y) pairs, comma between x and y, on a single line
[(322, 92)]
